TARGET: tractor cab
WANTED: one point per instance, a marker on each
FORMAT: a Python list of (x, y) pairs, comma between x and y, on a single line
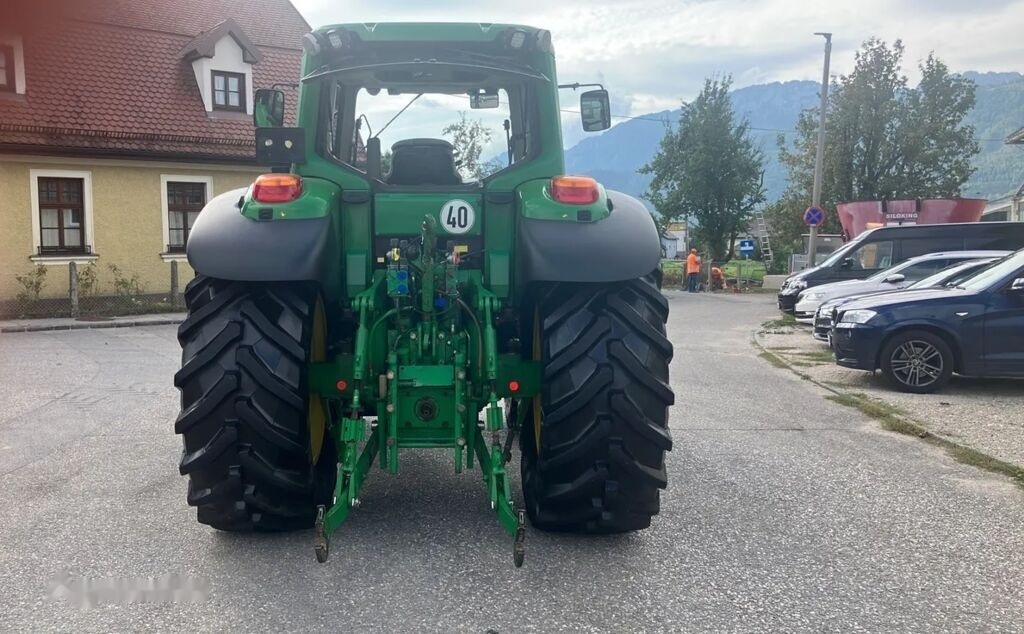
[(487, 90)]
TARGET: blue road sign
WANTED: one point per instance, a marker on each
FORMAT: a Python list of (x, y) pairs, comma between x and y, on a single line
[(746, 246), (814, 216)]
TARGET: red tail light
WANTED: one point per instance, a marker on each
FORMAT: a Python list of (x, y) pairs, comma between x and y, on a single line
[(277, 188), (574, 190)]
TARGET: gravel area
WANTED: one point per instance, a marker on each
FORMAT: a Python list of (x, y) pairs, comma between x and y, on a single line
[(983, 414)]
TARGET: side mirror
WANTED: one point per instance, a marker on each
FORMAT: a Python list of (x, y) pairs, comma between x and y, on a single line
[(484, 99), (268, 108), (895, 278), (1018, 284), (846, 264), (595, 111)]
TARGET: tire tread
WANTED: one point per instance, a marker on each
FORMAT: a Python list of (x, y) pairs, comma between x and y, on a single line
[(605, 395)]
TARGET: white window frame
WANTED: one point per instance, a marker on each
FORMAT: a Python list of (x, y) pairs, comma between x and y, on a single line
[(86, 177), (165, 221), (14, 41)]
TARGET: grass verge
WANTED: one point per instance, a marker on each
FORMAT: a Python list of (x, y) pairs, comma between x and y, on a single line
[(774, 359), (782, 322), (895, 420), (817, 356)]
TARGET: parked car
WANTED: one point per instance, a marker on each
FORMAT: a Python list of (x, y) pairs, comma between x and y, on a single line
[(919, 338), (894, 278), (825, 316), (880, 248)]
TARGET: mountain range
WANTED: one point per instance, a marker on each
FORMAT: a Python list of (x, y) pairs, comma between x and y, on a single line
[(614, 156)]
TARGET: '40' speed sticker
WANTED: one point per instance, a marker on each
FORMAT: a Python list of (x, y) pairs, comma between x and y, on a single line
[(457, 216)]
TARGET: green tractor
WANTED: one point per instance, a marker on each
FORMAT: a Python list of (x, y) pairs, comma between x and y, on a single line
[(349, 304)]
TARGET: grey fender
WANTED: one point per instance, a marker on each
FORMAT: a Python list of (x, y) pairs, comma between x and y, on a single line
[(623, 246), (227, 245)]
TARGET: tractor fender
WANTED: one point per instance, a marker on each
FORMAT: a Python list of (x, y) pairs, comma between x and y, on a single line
[(623, 246), (227, 245)]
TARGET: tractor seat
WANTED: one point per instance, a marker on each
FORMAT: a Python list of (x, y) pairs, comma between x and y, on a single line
[(423, 162)]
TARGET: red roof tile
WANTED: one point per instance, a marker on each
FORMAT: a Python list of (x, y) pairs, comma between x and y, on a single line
[(118, 81)]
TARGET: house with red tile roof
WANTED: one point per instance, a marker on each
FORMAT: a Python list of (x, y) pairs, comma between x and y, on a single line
[(119, 119)]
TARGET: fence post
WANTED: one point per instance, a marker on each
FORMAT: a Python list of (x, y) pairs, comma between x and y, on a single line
[(73, 288), (174, 284)]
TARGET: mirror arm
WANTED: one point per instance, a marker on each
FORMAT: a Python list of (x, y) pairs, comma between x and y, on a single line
[(578, 85)]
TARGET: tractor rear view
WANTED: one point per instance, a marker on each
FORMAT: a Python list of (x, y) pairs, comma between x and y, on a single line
[(354, 304)]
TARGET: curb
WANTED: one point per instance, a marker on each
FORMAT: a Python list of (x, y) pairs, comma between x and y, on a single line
[(914, 428), (90, 325)]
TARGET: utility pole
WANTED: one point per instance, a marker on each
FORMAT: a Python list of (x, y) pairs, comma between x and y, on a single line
[(819, 156)]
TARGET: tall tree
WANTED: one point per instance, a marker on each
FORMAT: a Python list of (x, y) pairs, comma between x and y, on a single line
[(708, 170), (884, 139), (469, 136)]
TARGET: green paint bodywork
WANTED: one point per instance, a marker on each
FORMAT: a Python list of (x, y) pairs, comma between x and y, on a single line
[(535, 202), (423, 365), (400, 214)]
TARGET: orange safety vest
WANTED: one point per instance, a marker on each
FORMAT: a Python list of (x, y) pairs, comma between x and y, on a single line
[(692, 264)]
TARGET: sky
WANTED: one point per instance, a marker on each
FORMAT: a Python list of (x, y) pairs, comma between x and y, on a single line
[(653, 54)]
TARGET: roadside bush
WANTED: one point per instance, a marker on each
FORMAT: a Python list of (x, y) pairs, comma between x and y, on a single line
[(672, 273), (32, 284), (127, 287), (87, 280)]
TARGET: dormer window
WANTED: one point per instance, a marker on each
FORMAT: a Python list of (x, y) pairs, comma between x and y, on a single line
[(12, 64), (6, 68), (229, 91), (222, 60)]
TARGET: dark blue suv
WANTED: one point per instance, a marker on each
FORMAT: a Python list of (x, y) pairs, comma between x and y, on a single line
[(919, 338)]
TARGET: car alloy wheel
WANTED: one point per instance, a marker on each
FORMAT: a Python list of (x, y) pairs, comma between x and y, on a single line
[(917, 363)]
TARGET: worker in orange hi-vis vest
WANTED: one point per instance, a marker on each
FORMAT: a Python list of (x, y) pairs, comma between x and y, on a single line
[(692, 271), (717, 279)]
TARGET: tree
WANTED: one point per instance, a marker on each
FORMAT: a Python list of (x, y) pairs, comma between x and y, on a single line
[(884, 141), (469, 138), (708, 170)]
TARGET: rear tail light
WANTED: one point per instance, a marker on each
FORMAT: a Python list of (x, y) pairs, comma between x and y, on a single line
[(574, 190), (277, 188)]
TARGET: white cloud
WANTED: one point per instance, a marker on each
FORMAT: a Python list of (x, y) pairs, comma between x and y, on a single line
[(653, 53)]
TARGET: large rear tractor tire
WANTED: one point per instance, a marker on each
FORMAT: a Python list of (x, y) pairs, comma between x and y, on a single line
[(593, 448), (256, 452)]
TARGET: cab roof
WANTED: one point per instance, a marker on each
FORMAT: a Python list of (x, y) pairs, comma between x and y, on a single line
[(429, 31)]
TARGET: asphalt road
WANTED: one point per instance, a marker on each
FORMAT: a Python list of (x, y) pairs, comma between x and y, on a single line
[(784, 512)]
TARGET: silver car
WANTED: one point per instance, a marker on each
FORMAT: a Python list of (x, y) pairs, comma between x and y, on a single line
[(897, 277)]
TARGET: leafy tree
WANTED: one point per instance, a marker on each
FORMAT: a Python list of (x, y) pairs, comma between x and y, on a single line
[(469, 138), (884, 140), (708, 170)]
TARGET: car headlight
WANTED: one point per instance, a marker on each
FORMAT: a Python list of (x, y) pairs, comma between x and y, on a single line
[(794, 287), (813, 296), (857, 316)]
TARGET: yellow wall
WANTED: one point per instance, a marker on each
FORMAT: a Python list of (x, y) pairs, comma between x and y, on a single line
[(127, 220)]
